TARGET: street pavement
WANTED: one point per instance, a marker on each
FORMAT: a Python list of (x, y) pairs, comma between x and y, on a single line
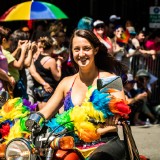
[(147, 139)]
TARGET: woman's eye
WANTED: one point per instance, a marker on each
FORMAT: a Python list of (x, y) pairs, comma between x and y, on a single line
[(76, 49), (87, 48)]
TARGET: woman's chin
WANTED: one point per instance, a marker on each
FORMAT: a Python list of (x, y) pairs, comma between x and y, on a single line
[(82, 64)]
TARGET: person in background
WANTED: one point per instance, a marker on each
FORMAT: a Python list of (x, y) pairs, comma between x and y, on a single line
[(113, 21), (85, 23), (114, 18), (143, 86), (15, 64), (89, 54), (99, 30), (22, 51), (49, 68), (135, 100), (4, 77), (57, 31), (153, 41), (138, 44), (39, 30), (26, 29), (120, 46)]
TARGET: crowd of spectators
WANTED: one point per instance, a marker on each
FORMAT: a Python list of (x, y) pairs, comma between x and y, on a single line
[(33, 61)]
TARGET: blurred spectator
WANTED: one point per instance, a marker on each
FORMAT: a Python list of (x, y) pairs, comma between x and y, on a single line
[(120, 45), (32, 74), (85, 23), (138, 45), (135, 100), (153, 41), (57, 31), (4, 77), (26, 29), (128, 23), (21, 50), (15, 64), (114, 18), (100, 32), (49, 68), (110, 30), (39, 30), (143, 86)]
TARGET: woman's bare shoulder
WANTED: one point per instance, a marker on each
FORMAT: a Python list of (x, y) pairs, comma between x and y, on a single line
[(104, 74), (68, 81)]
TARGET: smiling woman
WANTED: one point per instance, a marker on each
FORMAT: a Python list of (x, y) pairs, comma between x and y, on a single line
[(81, 93)]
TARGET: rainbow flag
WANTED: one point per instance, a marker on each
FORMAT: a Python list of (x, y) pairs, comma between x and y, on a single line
[(125, 37)]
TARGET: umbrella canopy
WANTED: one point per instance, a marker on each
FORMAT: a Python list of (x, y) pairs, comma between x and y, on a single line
[(31, 10)]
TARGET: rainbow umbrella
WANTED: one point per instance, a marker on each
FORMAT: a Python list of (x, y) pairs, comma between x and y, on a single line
[(31, 10)]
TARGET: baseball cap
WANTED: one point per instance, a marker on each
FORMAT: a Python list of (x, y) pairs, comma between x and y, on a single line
[(130, 78), (114, 17), (142, 73), (98, 22)]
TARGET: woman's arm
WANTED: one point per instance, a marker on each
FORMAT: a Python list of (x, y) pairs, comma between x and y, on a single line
[(4, 76), (20, 62), (55, 67), (38, 78), (28, 59)]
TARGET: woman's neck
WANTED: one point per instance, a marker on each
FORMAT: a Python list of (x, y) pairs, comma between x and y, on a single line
[(88, 76)]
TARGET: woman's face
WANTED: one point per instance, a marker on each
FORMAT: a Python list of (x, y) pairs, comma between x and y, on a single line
[(6, 43), (39, 47), (83, 51), (100, 31), (119, 32)]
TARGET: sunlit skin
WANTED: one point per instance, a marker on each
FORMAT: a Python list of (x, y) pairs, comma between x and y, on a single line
[(118, 32), (84, 55), (141, 37), (83, 52), (100, 31)]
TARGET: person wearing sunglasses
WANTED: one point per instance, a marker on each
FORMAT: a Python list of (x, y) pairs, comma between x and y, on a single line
[(99, 29)]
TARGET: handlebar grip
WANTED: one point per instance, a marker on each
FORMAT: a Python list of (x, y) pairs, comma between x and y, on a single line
[(35, 122)]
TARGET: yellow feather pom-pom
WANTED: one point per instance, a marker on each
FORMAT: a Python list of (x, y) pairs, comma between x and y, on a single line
[(15, 132)]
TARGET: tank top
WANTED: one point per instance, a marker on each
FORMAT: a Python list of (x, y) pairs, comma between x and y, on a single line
[(68, 104), (45, 73)]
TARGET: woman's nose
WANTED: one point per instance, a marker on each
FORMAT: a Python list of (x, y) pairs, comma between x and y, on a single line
[(81, 53)]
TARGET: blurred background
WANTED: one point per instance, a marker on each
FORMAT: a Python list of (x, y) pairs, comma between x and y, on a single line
[(135, 10)]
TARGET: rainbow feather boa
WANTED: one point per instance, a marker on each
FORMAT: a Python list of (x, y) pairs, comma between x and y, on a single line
[(97, 106), (12, 118)]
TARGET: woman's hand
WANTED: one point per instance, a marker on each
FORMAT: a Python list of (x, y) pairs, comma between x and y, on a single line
[(12, 82), (112, 121), (110, 126), (141, 96), (47, 87)]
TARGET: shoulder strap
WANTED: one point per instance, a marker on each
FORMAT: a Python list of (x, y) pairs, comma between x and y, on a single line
[(46, 60), (73, 82)]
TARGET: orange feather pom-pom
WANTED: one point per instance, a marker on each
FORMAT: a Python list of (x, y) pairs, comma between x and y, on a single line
[(119, 107)]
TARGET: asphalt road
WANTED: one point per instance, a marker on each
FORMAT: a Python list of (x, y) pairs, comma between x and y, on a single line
[(147, 140)]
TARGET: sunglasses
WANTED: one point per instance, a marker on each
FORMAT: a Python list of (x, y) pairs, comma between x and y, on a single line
[(99, 26)]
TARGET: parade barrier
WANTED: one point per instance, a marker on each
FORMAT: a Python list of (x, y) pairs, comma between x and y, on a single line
[(153, 67)]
